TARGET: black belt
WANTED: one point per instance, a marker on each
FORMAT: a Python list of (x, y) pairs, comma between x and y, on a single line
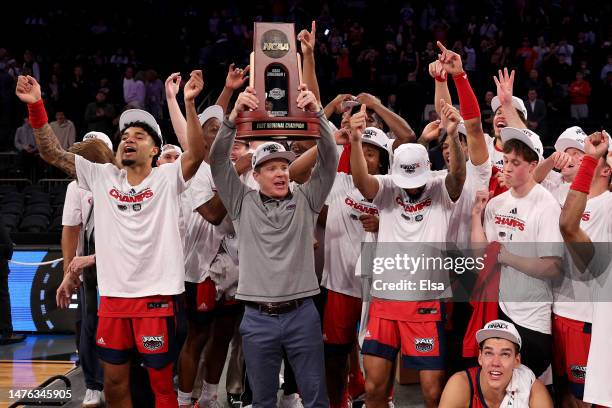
[(276, 308)]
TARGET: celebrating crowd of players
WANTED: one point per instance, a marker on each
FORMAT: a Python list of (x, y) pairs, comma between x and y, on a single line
[(222, 234)]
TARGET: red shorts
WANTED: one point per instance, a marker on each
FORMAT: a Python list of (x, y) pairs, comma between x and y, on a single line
[(422, 342), (571, 342), (340, 320), (202, 306), (145, 324)]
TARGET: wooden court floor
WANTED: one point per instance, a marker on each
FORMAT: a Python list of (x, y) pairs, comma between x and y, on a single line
[(24, 374)]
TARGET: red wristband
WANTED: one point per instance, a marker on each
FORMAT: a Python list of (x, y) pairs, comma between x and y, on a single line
[(582, 181), (440, 78), (468, 104), (37, 114)]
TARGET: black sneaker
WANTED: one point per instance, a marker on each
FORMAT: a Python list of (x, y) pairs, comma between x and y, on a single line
[(11, 338), (234, 400)]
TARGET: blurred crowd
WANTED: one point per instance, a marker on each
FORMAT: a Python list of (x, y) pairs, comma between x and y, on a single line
[(94, 63)]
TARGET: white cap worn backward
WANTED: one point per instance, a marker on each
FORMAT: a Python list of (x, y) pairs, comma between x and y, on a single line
[(213, 111), (411, 167), (516, 102), (531, 139), (139, 115), (269, 151), (100, 136), (499, 329)]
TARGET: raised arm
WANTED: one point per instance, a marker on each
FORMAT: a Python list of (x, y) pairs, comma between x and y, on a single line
[(478, 234), (230, 188), (235, 79), (28, 91), (179, 124), (468, 104), (456, 172), (324, 172), (400, 128), (578, 242), (335, 106), (307, 41), (300, 168), (198, 147), (505, 83), (557, 160), (439, 74), (366, 184)]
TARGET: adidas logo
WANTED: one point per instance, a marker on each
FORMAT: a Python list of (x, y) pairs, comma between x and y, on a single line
[(513, 211), (101, 340)]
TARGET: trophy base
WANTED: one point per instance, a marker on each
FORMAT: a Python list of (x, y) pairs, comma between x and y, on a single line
[(257, 126)]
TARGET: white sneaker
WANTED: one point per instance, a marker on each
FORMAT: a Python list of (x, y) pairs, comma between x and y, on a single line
[(291, 401), (93, 399), (209, 404), (391, 404)]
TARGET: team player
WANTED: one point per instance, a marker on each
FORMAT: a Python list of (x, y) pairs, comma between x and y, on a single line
[(499, 380), (413, 207), (587, 231), (136, 277), (519, 220)]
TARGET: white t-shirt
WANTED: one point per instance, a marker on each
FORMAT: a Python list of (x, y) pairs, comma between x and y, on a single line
[(460, 223), (343, 236), (573, 294), (529, 227), (201, 239), (555, 184), (77, 205), (495, 155), (425, 220), (597, 389), (139, 250)]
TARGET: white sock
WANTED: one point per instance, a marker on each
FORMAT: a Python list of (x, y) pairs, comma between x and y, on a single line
[(209, 391), (184, 398)]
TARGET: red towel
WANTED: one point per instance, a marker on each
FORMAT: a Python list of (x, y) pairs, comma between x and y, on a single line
[(484, 299), (494, 186), (344, 164)]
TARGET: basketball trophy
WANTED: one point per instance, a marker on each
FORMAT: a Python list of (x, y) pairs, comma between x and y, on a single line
[(276, 73)]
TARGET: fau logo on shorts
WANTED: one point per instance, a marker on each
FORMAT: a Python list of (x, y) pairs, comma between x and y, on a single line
[(578, 372), (153, 343), (424, 345)]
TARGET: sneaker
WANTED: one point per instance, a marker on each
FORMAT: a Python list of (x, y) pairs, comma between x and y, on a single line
[(291, 401), (358, 402), (391, 404), (93, 399), (208, 404), (234, 400)]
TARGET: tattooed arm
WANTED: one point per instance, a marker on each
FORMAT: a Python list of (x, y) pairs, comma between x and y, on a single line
[(28, 91)]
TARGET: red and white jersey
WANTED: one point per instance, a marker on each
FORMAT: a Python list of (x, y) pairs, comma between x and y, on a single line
[(77, 205), (496, 156), (528, 226), (423, 220), (343, 236), (555, 184), (460, 223), (201, 239), (597, 388), (573, 295), (139, 250)]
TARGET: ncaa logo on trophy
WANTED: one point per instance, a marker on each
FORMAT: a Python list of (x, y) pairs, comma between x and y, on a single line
[(276, 73)]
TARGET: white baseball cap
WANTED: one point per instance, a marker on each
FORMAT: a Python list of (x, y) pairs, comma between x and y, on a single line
[(169, 146), (501, 329), (269, 151), (516, 102), (571, 137), (139, 115), (411, 167), (376, 137), (526, 136), (100, 136), (214, 111)]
